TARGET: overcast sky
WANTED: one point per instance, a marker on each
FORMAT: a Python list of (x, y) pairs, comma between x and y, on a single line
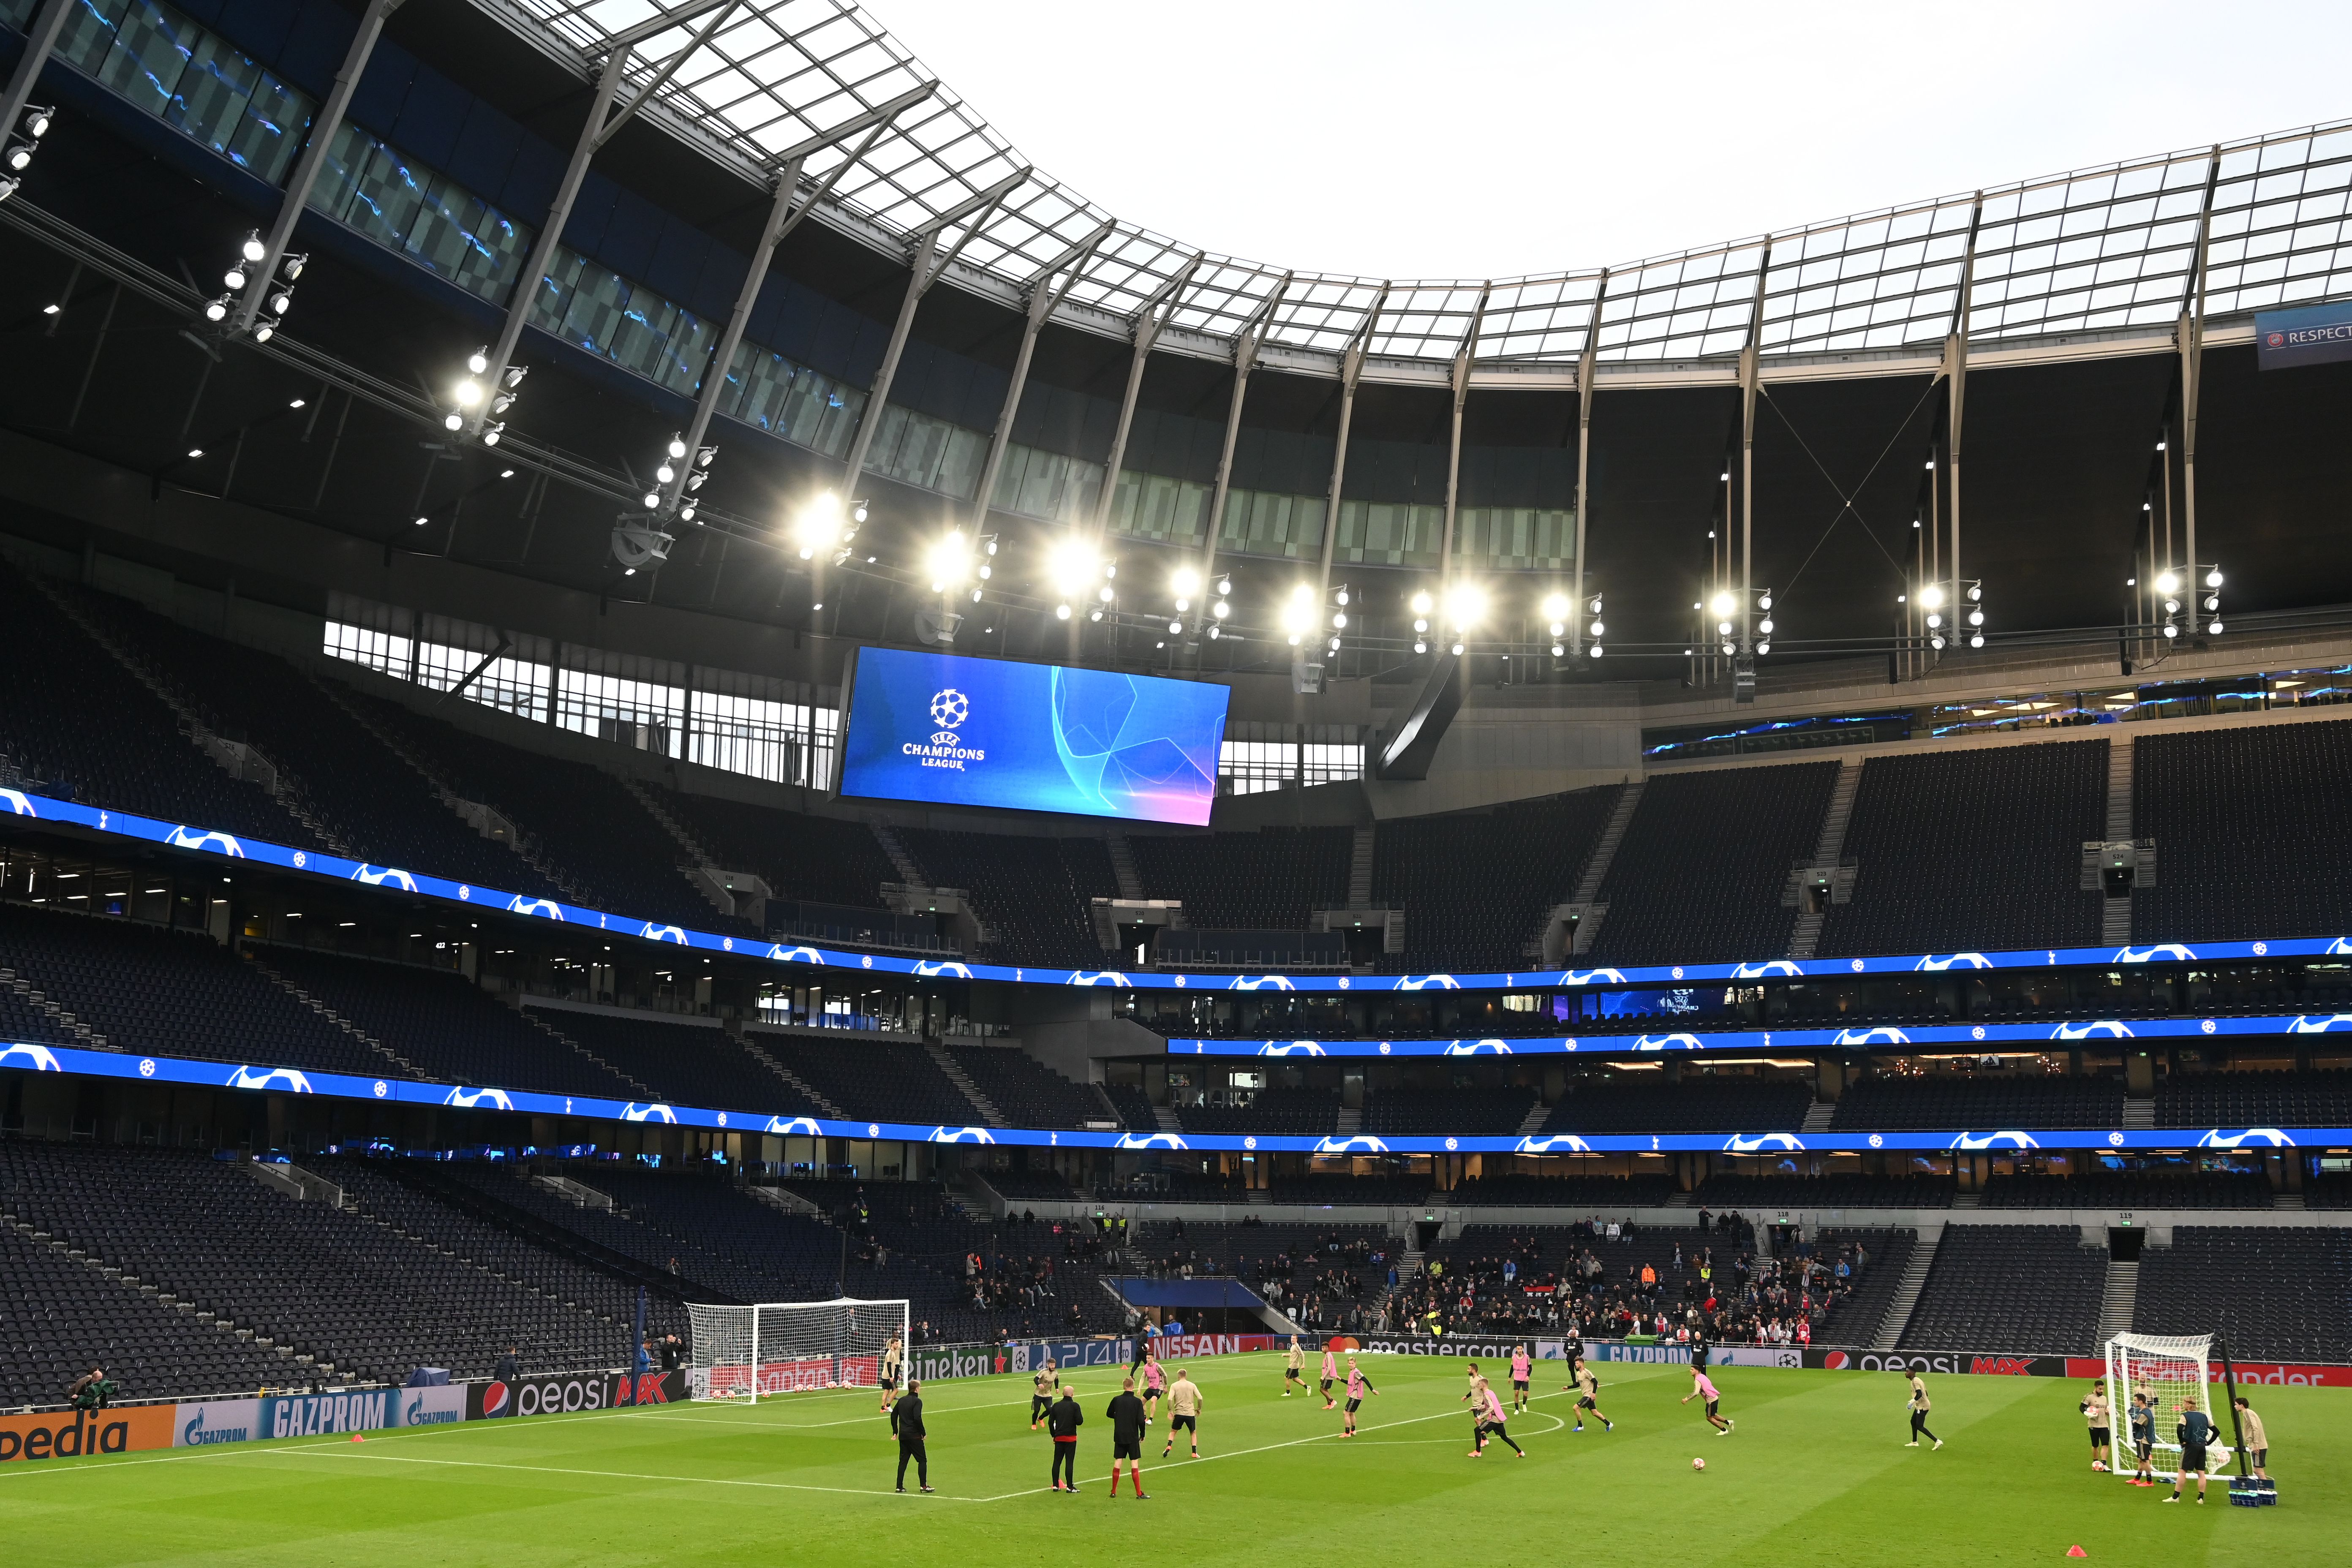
[(1489, 138)]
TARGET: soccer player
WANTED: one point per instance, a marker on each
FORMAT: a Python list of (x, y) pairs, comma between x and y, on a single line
[(894, 1356), (1703, 1387), (2143, 1439), (1043, 1388), (1492, 1425), (2192, 1432), (1522, 1371), (1061, 1423), (2254, 1439), (1294, 1367), (1920, 1405), (2095, 1411), (1330, 1375), (1155, 1383), (1126, 1413), (1588, 1390), (1477, 1405), (1358, 1386), (1184, 1412)]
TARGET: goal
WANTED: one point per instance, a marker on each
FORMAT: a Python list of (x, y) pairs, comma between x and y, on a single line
[(788, 1347), (2176, 1374)]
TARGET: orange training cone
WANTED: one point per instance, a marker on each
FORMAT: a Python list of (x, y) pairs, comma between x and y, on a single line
[(357, 1438), (2076, 1551)]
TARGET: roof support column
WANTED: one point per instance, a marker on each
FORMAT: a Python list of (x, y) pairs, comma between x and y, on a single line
[(1042, 301), (927, 264), (1585, 365), (602, 122), (1463, 359), (1352, 368), (1956, 367), (2190, 335), (1743, 668), (1150, 323), (1246, 348), (323, 130), (784, 215)]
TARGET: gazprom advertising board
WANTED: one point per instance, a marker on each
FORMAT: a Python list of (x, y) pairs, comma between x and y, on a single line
[(1032, 737)]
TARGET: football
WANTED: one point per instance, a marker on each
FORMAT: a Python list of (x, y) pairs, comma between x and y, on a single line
[(1698, 1464)]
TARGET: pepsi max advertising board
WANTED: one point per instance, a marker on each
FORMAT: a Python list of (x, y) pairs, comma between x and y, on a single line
[(951, 730)]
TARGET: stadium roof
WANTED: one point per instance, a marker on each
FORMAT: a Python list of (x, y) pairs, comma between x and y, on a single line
[(2105, 254)]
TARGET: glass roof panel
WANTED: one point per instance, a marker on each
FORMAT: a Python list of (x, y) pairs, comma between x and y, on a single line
[(2097, 249)]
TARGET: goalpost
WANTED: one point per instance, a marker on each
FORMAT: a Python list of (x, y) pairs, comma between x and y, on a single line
[(786, 1347), (2176, 1373)]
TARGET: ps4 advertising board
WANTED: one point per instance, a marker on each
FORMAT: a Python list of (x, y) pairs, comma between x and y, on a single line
[(947, 729)]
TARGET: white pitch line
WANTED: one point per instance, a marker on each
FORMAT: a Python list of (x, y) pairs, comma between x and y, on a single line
[(1270, 1447)]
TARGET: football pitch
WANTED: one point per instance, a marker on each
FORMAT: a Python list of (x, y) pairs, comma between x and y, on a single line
[(1815, 1473)]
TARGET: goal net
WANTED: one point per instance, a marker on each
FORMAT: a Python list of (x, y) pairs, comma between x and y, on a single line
[(2175, 1376), (786, 1347)]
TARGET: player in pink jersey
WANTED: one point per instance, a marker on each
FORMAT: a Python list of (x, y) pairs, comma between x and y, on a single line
[(1358, 1386), (1331, 1375), (1155, 1384), (1522, 1369), (1703, 1387), (1491, 1417)]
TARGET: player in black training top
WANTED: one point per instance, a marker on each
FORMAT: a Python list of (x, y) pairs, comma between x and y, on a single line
[(1126, 1422), (1063, 1419)]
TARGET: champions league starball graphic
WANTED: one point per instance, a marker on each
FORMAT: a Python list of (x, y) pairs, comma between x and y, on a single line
[(1035, 737)]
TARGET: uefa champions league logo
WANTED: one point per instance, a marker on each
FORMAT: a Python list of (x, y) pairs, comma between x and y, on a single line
[(950, 708)]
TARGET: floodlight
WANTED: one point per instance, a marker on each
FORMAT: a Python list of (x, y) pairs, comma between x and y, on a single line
[(677, 446), (290, 268), (1183, 583), (1725, 603), (1466, 605), (1175, 628), (1070, 565), (468, 392), (1422, 603), (1932, 596), (2215, 628), (1598, 628), (233, 278), (253, 249), (492, 433), (1976, 640), (1722, 629), (947, 560), (479, 362), (217, 309), (818, 525), (1555, 607), (1061, 612), (1457, 650), (2172, 631), (1298, 612), (36, 123), (1338, 620), (653, 499), (1558, 651), (453, 422), (1595, 650), (1765, 602), (2169, 582), (1221, 610), (1104, 593), (665, 473), (2213, 578), (1976, 617), (1342, 598), (1764, 627)]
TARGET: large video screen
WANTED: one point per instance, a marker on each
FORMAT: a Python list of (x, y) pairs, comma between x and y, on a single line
[(1033, 736)]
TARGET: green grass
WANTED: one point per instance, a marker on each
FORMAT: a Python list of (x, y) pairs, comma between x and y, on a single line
[(1816, 1473)]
